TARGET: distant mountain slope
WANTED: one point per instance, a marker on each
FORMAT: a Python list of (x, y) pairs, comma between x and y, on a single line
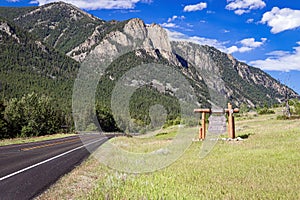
[(26, 65), (13, 12), (240, 82)]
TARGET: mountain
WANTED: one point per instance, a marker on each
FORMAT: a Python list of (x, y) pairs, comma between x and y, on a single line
[(61, 26), (240, 82), (28, 64), (212, 70), (43, 47)]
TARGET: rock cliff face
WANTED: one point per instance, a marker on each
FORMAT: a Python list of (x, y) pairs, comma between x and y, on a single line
[(5, 28), (133, 33), (77, 34)]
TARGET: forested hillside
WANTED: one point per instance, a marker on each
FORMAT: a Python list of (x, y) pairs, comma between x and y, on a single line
[(61, 26), (27, 65)]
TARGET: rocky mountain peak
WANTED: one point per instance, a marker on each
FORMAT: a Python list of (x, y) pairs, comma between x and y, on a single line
[(134, 33), (154, 36)]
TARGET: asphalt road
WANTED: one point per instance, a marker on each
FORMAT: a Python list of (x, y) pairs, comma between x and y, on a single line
[(26, 170)]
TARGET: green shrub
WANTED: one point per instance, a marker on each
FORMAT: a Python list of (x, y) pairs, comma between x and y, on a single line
[(91, 127), (297, 108), (282, 117), (265, 111)]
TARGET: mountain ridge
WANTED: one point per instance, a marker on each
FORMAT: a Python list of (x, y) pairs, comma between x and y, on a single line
[(77, 34)]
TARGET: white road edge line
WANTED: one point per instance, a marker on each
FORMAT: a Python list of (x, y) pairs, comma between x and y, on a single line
[(48, 160)]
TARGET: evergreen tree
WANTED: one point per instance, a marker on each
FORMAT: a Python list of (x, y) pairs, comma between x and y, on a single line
[(33, 115)]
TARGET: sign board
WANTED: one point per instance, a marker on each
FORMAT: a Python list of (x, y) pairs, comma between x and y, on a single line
[(217, 124)]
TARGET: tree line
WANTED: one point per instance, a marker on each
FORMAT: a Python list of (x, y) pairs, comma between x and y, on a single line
[(31, 115)]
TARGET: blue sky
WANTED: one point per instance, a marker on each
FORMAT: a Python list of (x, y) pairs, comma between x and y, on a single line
[(262, 33)]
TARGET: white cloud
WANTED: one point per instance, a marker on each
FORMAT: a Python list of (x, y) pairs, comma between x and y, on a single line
[(247, 44), (169, 25), (234, 49), (281, 19), (196, 7), (250, 42), (177, 36), (280, 60), (249, 21), (278, 53), (244, 6), (210, 12), (97, 4), (171, 19)]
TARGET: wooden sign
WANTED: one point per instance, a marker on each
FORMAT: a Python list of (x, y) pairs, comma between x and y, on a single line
[(217, 122)]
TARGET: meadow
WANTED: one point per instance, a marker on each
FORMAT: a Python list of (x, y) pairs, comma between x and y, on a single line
[(265, 165)]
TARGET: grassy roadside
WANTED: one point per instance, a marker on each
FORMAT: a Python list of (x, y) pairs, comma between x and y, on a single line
[(264, 166), (33, 139)]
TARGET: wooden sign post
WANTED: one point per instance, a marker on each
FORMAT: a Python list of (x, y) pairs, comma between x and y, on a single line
[(202, 130), (231, 126), (229, 111)]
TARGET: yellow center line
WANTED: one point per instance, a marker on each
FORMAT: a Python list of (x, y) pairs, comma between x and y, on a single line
[(49, 145)]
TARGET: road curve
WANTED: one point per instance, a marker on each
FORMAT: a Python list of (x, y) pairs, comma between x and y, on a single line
[(26, 170)]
